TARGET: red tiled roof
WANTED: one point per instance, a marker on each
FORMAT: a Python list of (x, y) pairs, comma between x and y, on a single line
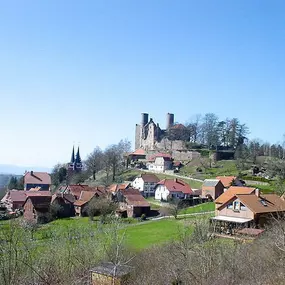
[(164, 155), (138, 151), (149, 178), (37, 178), (134, 198), (226, 180), (176, 185)]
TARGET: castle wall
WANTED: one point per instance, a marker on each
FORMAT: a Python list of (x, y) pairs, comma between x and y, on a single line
[(138, 136)]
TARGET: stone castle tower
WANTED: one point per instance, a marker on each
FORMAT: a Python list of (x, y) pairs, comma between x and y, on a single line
[(148, 133)]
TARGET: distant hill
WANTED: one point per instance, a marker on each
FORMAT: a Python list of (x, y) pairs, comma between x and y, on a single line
[(5, 178), (20, 170)]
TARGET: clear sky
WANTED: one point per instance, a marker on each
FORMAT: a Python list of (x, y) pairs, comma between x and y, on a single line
[(83, 71)]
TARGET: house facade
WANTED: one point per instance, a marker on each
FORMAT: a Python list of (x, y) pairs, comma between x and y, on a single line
[(132, 203), (246, 207), (14, 199), (37, 206), (212, 189), (160, 163), (167, 189), (65, 202), (249, 210), (146, 183), (37, 179)]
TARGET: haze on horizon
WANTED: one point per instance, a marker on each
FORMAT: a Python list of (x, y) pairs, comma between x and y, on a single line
[(83, 72)]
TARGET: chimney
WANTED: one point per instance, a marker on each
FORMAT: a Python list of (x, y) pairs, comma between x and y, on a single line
[(32, 172), (257, 192), (169, 120)]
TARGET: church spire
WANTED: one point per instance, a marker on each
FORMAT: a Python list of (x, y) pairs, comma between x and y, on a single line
[(72, 156), (78, 158)]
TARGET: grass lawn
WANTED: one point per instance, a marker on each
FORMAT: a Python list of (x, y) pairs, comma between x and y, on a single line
[(156, 232), (205, 207)]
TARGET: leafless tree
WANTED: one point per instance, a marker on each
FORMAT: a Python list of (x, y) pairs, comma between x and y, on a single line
[(94, 161)]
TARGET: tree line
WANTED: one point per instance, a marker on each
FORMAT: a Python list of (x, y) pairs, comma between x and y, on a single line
[(208, 130)]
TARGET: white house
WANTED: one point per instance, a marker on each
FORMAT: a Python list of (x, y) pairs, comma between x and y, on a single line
[(146, 183), (172, 188), (160, 162)]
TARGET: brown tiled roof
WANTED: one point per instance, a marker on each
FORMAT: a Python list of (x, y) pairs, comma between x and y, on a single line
[(176, 185), (37, 178), (85, 197), (231, 192), (17, 195), (69, 198), (150, 178), (116, 187), (160, 154), (134, 197), (271, 203), (40, 202), (226, 180), (76, 189)]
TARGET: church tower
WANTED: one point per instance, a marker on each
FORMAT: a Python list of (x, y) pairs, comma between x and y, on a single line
[(75, 165)]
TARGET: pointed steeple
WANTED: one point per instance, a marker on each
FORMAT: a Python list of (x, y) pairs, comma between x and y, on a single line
[(78, 158), (72, 156)]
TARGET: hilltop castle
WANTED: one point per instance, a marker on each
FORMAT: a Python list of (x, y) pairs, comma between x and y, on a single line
[(151, 138)]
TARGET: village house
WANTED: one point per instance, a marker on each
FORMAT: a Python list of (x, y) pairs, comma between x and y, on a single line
[(212, 189), (81, 205), (160, 162), (240, 208), (146, 183), (113, 188), (76, 189), (132, 203), (37, 206), (14, 199), (229, 181), (137, 155), (167, 189), (37, 179), (65, 203)]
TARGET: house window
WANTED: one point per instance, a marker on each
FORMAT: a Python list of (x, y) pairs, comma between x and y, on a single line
[(230, 206), (242, 207), (236, 206)]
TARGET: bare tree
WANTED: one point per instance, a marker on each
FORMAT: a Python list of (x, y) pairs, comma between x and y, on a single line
[(94, 161)]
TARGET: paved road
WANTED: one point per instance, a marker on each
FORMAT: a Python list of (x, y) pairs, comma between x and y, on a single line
[(183, 215), (175, 175)]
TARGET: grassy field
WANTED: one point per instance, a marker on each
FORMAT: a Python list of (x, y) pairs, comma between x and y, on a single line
[(205, 207), (223, 167), (139, 235), (156, 232)]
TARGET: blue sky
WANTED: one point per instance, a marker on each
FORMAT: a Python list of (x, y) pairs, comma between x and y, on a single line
[(83, 71)]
